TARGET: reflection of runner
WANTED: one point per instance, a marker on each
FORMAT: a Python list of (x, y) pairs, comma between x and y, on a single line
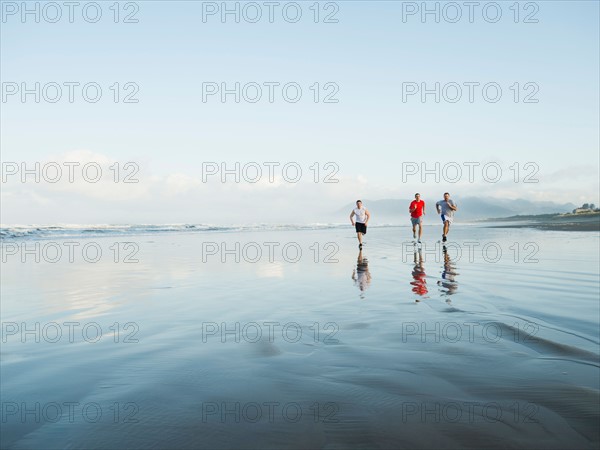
[(448, 281), (361, 274), (362, 218), (446, 209), (417, 211), (419, 284)]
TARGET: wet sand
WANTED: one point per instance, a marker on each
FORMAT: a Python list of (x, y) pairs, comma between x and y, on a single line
[(391, 348)]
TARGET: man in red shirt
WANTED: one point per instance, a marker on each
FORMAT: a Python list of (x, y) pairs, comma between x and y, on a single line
[(417, 211)]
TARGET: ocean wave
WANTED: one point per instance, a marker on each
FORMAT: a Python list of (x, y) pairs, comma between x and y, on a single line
[(11, 232)]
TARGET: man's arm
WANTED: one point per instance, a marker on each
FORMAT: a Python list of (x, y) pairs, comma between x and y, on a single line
[(351, 216), (411, 208), (452, 206), (438, 209), (368, 214), (423, 208)]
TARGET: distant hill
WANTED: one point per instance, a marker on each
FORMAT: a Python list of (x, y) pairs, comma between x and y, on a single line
[(469, 208), (589, 221)]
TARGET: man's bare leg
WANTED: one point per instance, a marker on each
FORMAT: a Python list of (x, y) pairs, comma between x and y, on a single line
[(446, 228)]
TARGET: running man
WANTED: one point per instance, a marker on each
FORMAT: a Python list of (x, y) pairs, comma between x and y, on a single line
[(417, 211), (446, 208), (362, 218)]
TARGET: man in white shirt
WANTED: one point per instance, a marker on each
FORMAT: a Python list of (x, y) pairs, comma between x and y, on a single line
[(360, 224)]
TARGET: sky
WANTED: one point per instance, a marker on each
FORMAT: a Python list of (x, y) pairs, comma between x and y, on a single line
[(359, 127)]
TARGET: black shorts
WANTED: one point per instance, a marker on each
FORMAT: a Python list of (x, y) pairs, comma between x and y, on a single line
[(361, 228)]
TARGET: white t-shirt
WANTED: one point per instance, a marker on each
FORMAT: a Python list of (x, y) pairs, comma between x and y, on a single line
[(361, 214), (446, 210)]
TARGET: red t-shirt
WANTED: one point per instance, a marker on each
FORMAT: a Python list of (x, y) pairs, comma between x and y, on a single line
[(419, 205)]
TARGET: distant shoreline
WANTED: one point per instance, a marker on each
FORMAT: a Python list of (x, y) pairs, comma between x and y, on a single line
[(558, 222)]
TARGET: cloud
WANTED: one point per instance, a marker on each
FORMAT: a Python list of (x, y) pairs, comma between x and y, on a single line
[(131, 193)]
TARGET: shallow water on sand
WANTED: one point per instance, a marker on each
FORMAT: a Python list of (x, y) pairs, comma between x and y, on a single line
[(393, 348)]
